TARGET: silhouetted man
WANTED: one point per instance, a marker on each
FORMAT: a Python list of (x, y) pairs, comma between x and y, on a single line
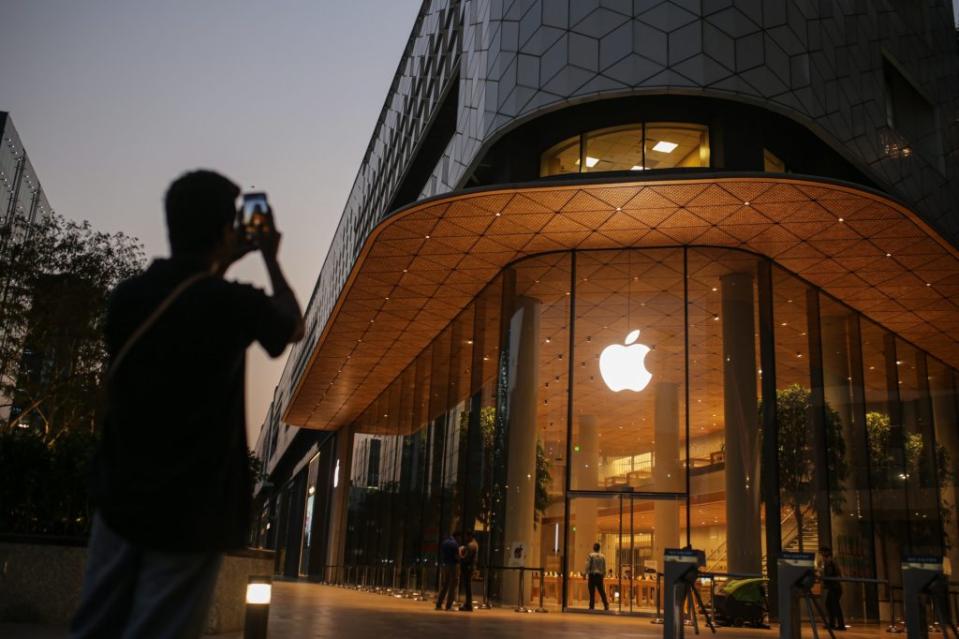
[(595, 573), (449, 559), (468, 555), (171, 480), (832, 590)]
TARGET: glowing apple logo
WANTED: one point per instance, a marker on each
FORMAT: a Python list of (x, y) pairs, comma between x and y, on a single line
[(625, 366)]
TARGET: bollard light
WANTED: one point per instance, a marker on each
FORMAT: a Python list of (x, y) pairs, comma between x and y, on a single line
[(259, 592)]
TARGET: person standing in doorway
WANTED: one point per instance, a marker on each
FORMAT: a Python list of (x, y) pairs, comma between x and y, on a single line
[(449, 559), (832, 590), (595, 572), (468, 554)]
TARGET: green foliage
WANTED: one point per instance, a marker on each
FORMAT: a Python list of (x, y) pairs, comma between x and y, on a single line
[(543, 479), (55, 278), (43, 482), (797, 455), (257, 471)]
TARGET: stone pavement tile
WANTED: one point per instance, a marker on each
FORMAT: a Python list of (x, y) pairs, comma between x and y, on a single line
[(315, 610), (310, 610)]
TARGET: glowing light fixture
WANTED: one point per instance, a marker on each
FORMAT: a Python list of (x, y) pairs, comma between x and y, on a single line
[(336, 474), (637, 167), (591, 162), (665, 147), (258, 593), (623, 366)]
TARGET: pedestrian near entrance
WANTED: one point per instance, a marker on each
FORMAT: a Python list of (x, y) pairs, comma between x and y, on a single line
[(171, 480), (595, 572), (449, 561), (468, 554), (832, 590)]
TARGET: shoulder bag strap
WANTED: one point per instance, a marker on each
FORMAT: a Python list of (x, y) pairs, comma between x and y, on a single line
[(151, 320)]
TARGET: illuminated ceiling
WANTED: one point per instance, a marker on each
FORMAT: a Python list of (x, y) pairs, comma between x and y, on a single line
[(421, 266)]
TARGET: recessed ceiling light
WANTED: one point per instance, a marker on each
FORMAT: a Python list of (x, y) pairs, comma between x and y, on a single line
[(663, 147), (591, 162), (637, 167)]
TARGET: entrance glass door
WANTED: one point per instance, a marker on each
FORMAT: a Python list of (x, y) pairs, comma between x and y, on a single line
[(632, 532)]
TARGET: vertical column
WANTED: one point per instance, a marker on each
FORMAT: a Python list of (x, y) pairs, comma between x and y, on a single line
[(666, 470), (585, 473), (743, 523), (339, 499), (521, 434)]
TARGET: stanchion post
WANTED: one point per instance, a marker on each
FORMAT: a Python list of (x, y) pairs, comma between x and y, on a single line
[(487, 604), (542, 588), (659, 599), (521, 591)]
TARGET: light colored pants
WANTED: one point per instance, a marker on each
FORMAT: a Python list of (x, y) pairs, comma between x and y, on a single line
[(130, 591)]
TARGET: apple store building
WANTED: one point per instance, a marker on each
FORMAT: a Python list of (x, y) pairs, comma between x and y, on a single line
[(570, 304)]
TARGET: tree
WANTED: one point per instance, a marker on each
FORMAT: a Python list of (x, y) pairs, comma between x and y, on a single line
[(797, 454), (55, 279)]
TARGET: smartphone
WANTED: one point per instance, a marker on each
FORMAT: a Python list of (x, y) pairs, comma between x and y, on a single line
[(255, 207)]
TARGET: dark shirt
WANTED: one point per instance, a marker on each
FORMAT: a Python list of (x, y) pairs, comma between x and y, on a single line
[(449, 551), (172, 470), (831, 569)]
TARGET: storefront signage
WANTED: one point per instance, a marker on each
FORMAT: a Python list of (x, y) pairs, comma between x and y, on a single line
[(798, 559), (623, 366)]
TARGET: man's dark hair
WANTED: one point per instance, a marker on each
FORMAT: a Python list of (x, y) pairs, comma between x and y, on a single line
[(595, 547), (198, 205)]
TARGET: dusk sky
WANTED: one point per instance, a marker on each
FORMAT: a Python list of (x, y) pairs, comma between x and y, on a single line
[(115, 99)]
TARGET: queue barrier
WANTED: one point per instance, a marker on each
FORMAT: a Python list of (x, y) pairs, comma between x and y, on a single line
[(521, 590), (797, 575)]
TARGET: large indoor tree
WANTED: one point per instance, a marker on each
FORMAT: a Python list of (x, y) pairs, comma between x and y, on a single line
[(797, 455)]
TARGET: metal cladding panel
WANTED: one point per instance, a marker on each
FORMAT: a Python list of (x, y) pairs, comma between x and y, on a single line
[(820, 63)]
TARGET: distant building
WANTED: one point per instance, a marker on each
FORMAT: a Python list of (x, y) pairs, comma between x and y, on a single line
[(642, 274), (21, 195)]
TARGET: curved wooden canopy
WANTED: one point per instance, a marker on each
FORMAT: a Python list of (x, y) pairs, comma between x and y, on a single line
[(424, 264)]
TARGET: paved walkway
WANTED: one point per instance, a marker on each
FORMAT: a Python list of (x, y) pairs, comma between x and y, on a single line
[(317, 611)]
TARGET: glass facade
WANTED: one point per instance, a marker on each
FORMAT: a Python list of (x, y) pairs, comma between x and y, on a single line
[(633, 147), (644, 399)]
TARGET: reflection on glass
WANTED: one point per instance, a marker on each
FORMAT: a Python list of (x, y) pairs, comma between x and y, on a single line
[(851, 520), (725, 453), (942, 386), (670, 146), (922, 477), (616, 149), (887, 474), (798, 453), (561, 159)]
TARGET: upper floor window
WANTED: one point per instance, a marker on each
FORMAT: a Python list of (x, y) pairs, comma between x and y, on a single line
[(912, 115), (634, 147)]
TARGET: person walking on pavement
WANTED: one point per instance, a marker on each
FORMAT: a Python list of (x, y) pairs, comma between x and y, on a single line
[(595, 571), (832, 590), (449, 558), (468, 554)]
